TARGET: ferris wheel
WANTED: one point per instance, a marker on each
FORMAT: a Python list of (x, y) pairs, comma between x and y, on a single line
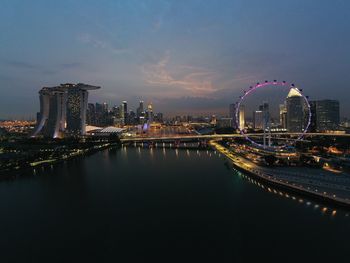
[(266, 128)]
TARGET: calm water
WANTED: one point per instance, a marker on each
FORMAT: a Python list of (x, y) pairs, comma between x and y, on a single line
[(141, 205)]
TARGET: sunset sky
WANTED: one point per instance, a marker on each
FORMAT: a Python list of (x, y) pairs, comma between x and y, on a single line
[(192, 56)]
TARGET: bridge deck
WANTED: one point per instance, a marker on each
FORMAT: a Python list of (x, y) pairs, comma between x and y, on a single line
[(220, 136)]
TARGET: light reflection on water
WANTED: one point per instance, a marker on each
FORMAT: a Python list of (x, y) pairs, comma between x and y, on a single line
[(153, 190), (324, 210), (306, 203)]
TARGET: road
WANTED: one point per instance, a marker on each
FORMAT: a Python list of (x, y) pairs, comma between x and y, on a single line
[(166, 135), (318, 182)]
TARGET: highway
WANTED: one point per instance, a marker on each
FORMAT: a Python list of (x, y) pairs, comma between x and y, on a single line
[(188, 136), (328, 187)]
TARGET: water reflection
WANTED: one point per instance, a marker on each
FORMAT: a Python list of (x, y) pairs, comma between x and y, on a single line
[(299, 200), (90, 200), (283, 194)]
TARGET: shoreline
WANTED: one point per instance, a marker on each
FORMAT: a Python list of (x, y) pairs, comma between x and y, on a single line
[(324, 198), (8, 174)]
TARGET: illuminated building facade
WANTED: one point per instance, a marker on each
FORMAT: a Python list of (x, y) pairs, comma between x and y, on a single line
[(63, 110), (283, 116), (124, 114), (258, 120), (241, 117), (150, 113), (264, 108), (232, 115), (295, 111)]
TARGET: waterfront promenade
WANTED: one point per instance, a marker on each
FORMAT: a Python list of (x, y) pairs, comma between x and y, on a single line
[(315, 188)]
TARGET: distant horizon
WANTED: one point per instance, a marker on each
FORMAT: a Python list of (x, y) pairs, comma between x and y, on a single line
[(221, 112), (133, 104)]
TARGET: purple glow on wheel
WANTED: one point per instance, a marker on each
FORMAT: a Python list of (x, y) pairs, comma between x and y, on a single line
[(262, 85)]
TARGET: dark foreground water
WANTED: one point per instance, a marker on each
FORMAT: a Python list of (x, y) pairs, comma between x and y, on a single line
[(141, 205)]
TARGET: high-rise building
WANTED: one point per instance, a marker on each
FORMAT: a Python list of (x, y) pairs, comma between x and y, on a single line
[(264, 108), (140, 110), (122, 115), (283, 116), (116, 111), (76, 111), (105, 107), (232, 115), (124, 107), (241, 117), (63, 110), (52, 116), (325, 115), (313, 125), (131, 117), (295, 111), (150, 112), (258, 120), (91, 114), (99, 114)]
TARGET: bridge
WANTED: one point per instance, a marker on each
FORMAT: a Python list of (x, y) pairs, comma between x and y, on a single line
[(196, 137)]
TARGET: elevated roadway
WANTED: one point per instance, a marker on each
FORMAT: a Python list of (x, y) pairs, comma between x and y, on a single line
[(186, 137)]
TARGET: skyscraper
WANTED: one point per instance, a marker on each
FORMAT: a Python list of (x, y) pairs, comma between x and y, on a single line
[(76, 110), (258, 120), (124, 115), (121, 115), (63, 110), (232, 115), (325, 115), (264, 108), (313, 125), (105, 107), (241, 117), (116, 111), (100, 114), (52, 116), (283, 116), (91, 114), (139, 111), (150, 113), (295, 111)]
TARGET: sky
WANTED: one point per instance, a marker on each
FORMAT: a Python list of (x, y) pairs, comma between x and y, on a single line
[(184, 56)]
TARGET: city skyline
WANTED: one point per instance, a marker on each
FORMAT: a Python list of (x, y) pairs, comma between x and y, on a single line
[(187, 62), (174, 130)]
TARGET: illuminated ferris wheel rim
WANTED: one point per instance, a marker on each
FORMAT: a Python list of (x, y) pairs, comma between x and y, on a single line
[(262, 85)]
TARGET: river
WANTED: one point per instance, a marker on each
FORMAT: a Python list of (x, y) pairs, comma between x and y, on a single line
[(146, 205)]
